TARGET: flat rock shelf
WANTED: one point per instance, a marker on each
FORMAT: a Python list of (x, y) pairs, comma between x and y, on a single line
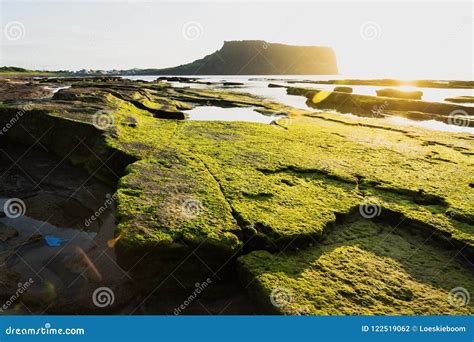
[(314, 213)]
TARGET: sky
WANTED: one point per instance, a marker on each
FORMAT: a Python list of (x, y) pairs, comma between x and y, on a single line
[(404, 39)]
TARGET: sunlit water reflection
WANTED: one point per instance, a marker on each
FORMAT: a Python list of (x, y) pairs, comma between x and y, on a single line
[(258, 85), (211, 113)]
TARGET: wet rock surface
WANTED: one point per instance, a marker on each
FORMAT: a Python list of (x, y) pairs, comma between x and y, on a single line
[(59, 200), (395, 83), (388, 92), (460, 99), (280, 204), (343, 89), (54, 199), (389, 102), (22, 89)]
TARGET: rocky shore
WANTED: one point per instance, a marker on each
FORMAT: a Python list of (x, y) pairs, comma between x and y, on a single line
[(396, 83), (384, 104), (315, 213)]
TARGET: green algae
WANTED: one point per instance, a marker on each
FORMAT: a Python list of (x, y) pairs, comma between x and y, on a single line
[(364, 268), (196, 195), (324, 170)]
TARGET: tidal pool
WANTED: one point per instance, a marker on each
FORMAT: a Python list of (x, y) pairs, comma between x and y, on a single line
[(212, 113)]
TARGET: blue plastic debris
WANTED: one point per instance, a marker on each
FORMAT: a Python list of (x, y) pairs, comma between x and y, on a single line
[(53, 241)]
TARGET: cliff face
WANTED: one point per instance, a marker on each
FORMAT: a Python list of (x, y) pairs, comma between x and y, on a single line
[(257, 57)]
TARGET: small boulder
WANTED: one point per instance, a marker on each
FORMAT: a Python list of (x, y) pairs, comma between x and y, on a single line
[(343, 90), (274, 85), (400, 94)]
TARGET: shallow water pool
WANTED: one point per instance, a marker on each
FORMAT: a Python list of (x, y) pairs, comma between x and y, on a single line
[(213, 113)]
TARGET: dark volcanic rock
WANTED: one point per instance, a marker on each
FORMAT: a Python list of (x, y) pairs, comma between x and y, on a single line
[(343, 89), (231, 84), (14, 89), (274, 85), (414, 95), (257, 57), (378, 106), (460, 99), (397, 83), (177, 79)]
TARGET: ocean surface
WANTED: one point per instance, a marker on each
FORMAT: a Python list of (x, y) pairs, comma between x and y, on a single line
[(258, 85)]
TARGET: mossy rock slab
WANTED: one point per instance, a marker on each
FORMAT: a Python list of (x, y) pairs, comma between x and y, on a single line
[(363, 267), (193, 196)]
